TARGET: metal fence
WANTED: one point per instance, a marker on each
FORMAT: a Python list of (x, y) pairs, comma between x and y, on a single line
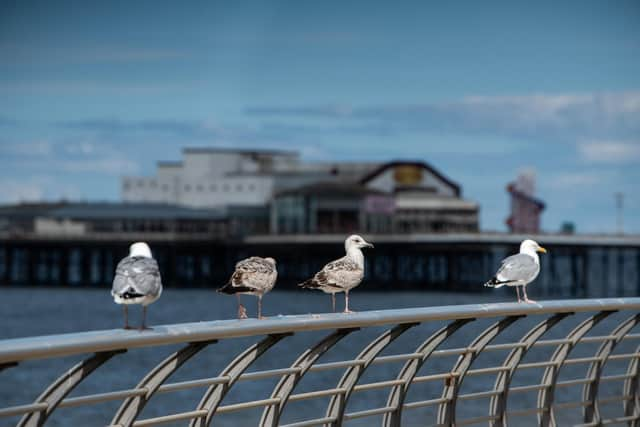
[(493, 342)]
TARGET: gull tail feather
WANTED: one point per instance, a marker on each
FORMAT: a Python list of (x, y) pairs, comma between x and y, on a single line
[(495, 283), (309, 284), (229, 289)]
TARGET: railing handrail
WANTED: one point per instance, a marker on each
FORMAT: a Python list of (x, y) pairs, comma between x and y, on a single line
[(19, 349)]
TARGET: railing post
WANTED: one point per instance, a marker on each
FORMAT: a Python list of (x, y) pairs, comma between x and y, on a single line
[(447, 409), (546, 395), (131, 408), (590, 390), (498, 405), (284, 388), (410, 369), (62, 386), (214, 394), (350, 378)]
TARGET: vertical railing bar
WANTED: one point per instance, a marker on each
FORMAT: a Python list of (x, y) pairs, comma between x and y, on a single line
[(631, 386), (338, 403), (132, 406), (546, 395), (447, 410), (590, 390), (215, 394), (498, 405), (271, 414), (63, 385), (398, 394)]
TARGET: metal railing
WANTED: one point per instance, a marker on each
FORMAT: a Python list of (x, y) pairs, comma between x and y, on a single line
[(539, 339)]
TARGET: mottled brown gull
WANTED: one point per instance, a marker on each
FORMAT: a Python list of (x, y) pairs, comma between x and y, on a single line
[(343, 274)]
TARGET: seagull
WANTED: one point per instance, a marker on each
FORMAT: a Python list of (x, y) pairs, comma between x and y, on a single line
[(252, 276), (520, 269), (137, 281), (343, 274)]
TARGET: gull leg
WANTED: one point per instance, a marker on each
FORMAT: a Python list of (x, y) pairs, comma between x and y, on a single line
[(333, 301), (518, 293), (260, 307), (526, 298), (144, 318), (242, 312), (346, 302), (125, 309)]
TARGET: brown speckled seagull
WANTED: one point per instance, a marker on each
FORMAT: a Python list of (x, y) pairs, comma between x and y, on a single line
[(343, 274), (252, 276)]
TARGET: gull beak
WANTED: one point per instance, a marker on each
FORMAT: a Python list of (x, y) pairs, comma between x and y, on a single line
[(541, 249), (368, 245)]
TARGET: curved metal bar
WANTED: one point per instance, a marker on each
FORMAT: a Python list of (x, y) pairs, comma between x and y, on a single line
[(498, 405), (631, 388), (132, 406), (215, 393), (63, 385), (338, 403), (399, 392), (447, 409), (284, 388), (7, 365), (551, 373), (590, 389)]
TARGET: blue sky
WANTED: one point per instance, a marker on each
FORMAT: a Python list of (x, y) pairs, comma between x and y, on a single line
[(90, 91)]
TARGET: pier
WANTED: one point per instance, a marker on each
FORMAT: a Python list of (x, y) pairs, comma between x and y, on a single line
[(575, 266), (439, 364)]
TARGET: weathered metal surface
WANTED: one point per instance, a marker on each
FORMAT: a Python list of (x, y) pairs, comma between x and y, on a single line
[(197, 336)]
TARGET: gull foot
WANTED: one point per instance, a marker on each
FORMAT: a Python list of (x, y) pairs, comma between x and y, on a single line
[(348, 312), (242, 312), (127, 327), (530, 301), (145, 328)]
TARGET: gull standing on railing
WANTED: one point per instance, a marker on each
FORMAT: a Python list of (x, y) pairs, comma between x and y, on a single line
[(520, 269), (343, 274), (137, 281), (253, 276)]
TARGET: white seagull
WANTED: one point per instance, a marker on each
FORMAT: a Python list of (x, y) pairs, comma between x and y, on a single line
[(343, 274), (252, 276), (137, 281), (520, 269)]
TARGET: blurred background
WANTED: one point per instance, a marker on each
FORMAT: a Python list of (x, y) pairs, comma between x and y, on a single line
[(444, 133)]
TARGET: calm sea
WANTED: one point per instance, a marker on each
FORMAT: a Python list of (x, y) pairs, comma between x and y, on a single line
[(40, 311)]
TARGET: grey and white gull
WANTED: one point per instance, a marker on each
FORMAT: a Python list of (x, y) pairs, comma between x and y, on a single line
[(137, 281), (520, 269), (252, 276), (343, 274)]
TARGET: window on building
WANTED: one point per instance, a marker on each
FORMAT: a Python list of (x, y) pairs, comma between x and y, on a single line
[(140, 183), (239, 187), (187, 187), (126, 185), (165, 187), (213, 188), (252, 187), (225, 187), (153, 184), (200, 188)]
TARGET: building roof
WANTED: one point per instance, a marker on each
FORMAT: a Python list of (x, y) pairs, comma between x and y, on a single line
[(340, 189), (196, 150), (109, 210), (384, 167)]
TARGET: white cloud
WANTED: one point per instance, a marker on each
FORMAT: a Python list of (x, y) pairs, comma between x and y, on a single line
[(610, 151)]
